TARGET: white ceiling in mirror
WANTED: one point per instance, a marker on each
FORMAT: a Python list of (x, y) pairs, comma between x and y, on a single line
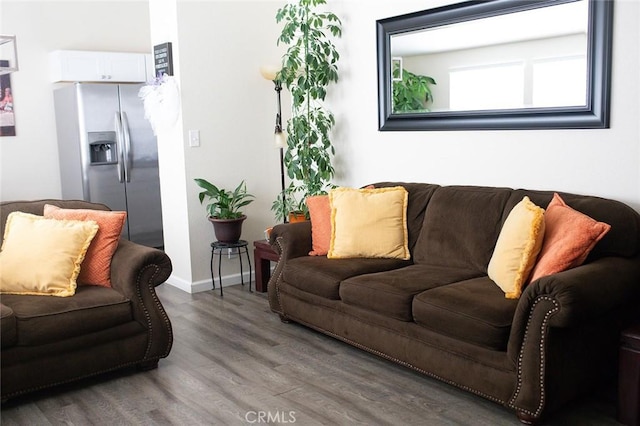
[(544, 22)]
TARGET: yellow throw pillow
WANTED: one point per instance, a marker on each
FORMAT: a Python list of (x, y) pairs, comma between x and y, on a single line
[(42, 256), (517, 248), (369, 223)]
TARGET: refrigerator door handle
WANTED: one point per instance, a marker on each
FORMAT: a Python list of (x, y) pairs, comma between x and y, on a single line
[(119, 137), (127, 147)]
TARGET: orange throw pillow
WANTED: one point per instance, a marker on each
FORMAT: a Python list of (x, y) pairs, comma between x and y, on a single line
[(568, 239), (96, 267), (320, 214)]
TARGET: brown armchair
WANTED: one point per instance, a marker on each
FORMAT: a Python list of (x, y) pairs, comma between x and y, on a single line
[(48, 340)]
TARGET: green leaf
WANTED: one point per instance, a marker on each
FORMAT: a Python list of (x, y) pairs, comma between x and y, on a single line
[(224, 204), (309, 67)]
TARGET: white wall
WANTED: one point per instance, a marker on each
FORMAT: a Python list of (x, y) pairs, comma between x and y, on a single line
[(29, 161), (224, 96), (171, 158), (222, 45), (598, 162)]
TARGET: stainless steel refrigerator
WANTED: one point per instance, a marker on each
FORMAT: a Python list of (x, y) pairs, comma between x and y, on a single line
[(108, 154)]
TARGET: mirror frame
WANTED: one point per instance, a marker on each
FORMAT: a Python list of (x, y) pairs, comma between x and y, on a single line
[(595, 114)]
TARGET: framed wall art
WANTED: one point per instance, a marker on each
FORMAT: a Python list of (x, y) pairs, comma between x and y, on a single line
[(7, 112)]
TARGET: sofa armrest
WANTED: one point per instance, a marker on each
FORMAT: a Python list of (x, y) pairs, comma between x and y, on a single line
[(289, 240), (586, 292), (600, 294), (135, 272), (577, 295)]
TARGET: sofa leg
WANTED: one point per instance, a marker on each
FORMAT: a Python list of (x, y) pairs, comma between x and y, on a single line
[(147, 365), (527, 419), (284, 319)]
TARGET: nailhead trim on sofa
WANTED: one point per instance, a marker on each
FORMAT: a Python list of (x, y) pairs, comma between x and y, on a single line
[(543, 327)]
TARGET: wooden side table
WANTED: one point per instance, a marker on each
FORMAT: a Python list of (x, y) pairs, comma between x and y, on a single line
[(263, 255), (629, 377)]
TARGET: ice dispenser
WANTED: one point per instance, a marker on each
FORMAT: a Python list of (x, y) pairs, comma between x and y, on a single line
[(102, 147)]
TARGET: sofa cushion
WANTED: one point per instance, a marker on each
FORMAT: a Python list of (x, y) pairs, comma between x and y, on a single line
[(42, 319), (474, 311), (624, 237), (569, 238), (43, 256), (369, 223), (37, 207), (419, 196), (96, 266), (461, 227), (7, 326), (320, 215), (517, 248), (391, 292), (321, 276)]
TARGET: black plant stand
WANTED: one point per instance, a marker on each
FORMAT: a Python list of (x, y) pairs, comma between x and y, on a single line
[(219, 247)]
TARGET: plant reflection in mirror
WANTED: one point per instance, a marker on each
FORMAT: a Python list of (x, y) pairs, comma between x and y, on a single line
[(412, 93)]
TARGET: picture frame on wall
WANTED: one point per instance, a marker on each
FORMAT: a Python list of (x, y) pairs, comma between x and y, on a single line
[(7, 112), (163, 59)]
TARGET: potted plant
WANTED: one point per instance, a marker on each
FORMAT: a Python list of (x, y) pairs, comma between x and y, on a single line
[(412, 93), (224, 209), (308, 67), (287, 207)]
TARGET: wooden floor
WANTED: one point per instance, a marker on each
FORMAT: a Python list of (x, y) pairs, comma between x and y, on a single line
[(234, 363)]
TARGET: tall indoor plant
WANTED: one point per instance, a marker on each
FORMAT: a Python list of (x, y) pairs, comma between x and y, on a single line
[(224, 209), (308, 67)]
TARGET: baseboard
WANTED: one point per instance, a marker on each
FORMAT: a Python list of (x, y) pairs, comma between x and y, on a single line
[(205, 285)]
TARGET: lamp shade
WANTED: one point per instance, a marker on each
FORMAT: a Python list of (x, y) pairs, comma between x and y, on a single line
[(280, 140), (269, 72)]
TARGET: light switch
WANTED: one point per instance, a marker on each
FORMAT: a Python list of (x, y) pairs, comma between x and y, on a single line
[(194, 138)]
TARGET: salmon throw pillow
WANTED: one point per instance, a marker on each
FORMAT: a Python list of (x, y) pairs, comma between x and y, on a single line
[(96, 267), (569, 237), (320, 214)]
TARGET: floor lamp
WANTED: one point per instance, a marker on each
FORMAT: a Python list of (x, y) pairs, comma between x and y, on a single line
[(280, 140)]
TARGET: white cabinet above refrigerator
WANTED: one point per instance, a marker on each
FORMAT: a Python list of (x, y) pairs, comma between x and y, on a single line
[(105, 67)]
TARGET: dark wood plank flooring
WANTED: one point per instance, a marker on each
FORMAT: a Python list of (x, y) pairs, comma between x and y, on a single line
[(234, 363)]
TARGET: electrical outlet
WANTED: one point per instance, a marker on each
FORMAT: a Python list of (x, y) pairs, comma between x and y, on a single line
[(194, 138), (232, 253)]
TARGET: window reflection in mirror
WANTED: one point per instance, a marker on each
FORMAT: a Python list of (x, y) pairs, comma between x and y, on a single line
[(530, 59)]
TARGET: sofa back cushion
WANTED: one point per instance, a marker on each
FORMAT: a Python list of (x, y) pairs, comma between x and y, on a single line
[(37, 207), (461, 226)]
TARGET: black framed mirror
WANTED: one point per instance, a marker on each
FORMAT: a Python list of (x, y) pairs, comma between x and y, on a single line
[(496, 64)]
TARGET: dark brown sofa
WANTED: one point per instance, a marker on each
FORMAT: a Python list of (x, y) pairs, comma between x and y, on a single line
[(49, 340), (440, 314)]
